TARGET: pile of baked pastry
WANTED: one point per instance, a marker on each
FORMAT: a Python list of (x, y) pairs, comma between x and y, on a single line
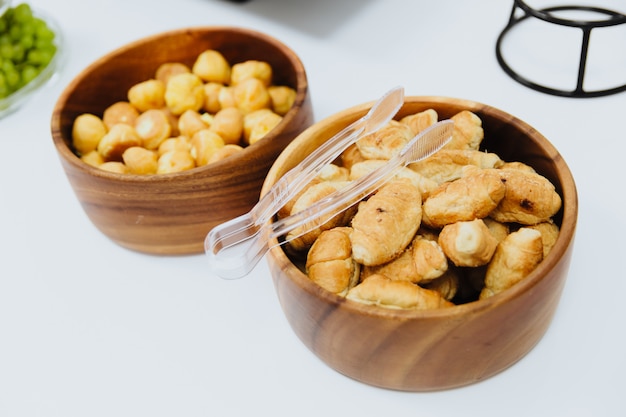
[(460, 226)]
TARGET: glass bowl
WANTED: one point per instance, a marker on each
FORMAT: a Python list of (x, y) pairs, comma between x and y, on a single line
[(17, 99)]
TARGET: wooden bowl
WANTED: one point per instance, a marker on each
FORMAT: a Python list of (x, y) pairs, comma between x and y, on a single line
[(172, 213), (436, 349)]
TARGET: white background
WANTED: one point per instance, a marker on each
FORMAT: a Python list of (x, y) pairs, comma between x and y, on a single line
[(88, 328)]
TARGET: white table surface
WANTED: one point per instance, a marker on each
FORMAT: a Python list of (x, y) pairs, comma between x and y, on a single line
[(88, 328)]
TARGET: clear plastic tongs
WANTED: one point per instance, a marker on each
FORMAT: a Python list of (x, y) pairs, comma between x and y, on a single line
[(235, 247)]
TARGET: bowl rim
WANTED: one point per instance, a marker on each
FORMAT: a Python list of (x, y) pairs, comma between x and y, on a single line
[(564, 240), (70, 157)]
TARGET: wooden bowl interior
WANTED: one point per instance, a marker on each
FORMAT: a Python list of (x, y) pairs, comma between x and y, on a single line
[(439, 349), (171, 214)]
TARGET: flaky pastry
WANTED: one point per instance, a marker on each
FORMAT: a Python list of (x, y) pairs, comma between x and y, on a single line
[(382, 291), (529, 198), (386, 142), (329, 261), (515, 258), (468, 243), (385, 224), (471, 197)]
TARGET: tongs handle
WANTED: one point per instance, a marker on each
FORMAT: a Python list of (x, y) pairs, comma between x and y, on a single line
[(238, 258), (292, 182)]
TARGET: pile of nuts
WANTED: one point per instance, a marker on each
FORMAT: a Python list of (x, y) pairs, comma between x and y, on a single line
[(184, 117)]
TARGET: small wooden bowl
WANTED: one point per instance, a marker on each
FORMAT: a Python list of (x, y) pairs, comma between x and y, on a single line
[(171, 214), (437, 349)]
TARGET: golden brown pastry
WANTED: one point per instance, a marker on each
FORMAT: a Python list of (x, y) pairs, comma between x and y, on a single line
[(498, 230), (421, 120), (382, 291), (420, 262), (471, 197), (468, 243), (400, 268), (429, 259), (516, 165), (447, 285), (386, 142), (351, 156), (316, 192), (385, 224), (515, 258), (549, 234), (329, 262), (468, 132), (425, 185), (449, 164), (529, 198), (330, 172)]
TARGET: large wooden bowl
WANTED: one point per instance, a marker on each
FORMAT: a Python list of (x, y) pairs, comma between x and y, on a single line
[(437, 349), (172, 213)]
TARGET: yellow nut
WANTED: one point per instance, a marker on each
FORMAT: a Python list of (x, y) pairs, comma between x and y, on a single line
[(212, 97), (114, 166), (228, 123), (180, 143), (93, 158), (87, 132), (225, 152), (184, 92), (191, 122), (168, 69), (119, 112), (263, 127), (175, 161), (282, 98), (251, 95), (211, 65), (252, 119), (153, 126), (140, 160), (117, 140), (260, 70), (204, 144), (147, 95)]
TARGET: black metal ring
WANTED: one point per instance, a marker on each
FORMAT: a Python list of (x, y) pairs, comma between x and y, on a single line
[(614, 18)]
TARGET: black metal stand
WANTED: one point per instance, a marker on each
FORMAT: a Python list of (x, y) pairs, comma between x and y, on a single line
[(612, 19)]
